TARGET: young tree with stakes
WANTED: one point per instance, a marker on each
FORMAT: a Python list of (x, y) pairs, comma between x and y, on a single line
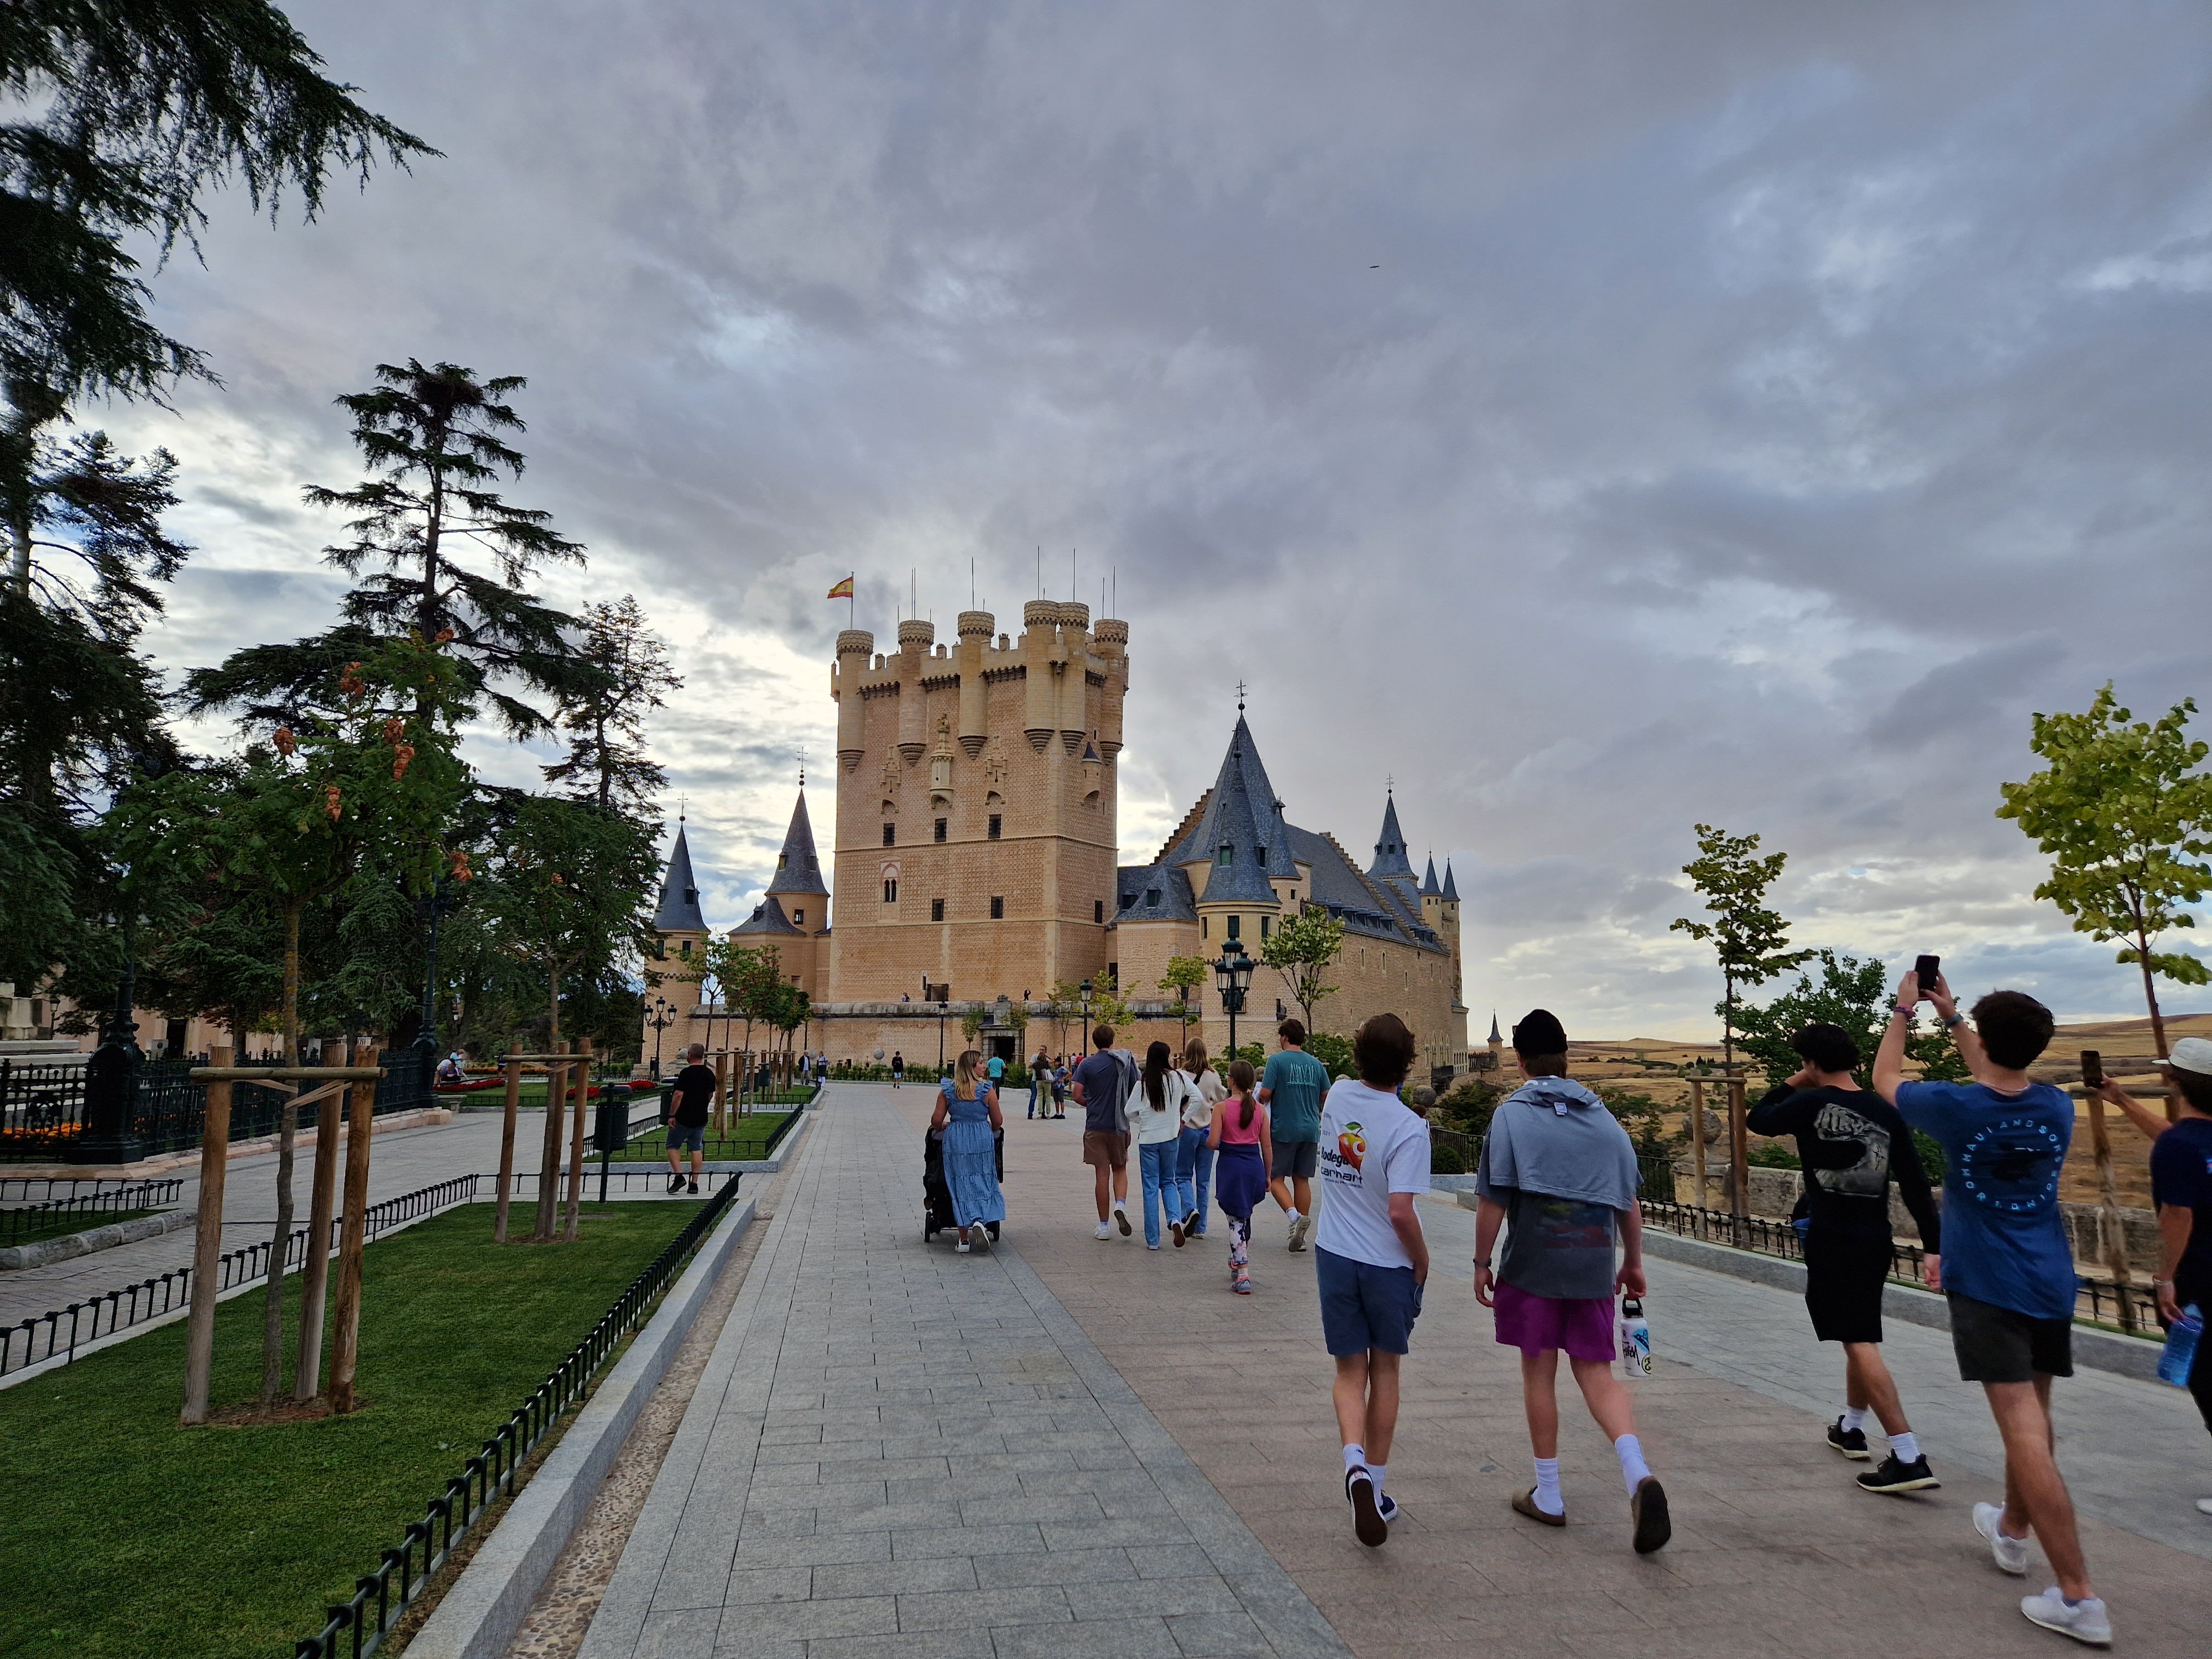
[(1184, 975), (1749, 940), (2125, 819), (1302, 948)]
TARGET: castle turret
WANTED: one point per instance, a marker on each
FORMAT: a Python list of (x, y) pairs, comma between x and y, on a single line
[(1440, 915), (853, 647), (1074, 675), (974, 629), (1043, 658), (1112, 639), (914, 639)]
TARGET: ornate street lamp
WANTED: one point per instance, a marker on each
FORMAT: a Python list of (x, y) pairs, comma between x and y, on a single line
[(1082, 1037), (1233, 974), (660, 1019)]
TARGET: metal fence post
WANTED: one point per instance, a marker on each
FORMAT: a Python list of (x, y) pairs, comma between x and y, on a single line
[(207, 1245)]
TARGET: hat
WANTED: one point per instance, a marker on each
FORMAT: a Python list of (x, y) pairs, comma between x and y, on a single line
[(2191, 1054), (1539, 1033)]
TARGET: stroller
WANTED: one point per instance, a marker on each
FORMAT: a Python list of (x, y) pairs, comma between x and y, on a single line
[(937, 1196)]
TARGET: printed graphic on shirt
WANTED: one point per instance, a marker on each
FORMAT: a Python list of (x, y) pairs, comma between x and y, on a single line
[(1352, 1146), (1565, 1224), (1870, 1175), (2012, 1166)]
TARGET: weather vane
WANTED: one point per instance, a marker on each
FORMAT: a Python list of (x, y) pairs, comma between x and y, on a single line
[(1240, 696)]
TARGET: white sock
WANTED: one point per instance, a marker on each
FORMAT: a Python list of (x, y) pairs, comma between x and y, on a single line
[(1633, 1466), (1380, 1471), (1905, 1447), (1548, 1486), (1355, 1455), (1291, 1215), (1854, 1417)]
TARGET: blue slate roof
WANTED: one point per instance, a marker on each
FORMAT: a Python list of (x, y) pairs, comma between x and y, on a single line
[(768, 917), (1429, 880), (797, 870), (680, 910), (1242, 816), (1157, 892), (1451, 890)]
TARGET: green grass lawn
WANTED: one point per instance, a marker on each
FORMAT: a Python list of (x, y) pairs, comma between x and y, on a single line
[(125, 1533), (749, 1137), (59, 1223)]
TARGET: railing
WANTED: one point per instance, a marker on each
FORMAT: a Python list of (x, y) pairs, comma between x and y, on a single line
[(64, 1329), (406, 1571), (43, 1189), (17, 1224)]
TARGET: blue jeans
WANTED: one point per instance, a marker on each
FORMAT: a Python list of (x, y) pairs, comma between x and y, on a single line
[(1035, 1088), (1194, 1176), (1156, 1164)]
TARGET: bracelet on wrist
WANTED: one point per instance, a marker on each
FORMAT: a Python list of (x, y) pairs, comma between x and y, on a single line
[(1904, 1009), (1953, 1020)]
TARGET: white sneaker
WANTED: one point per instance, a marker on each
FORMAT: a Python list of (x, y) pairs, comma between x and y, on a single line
[(1104, 1232), (1121, 1219), (2085, 1621), (2010, 1553), (1299, 1227), (2204, 1506)]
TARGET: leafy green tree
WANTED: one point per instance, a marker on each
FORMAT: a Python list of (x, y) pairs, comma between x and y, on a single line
[(1184, 975), (1332, 1051), (2125, 819), (428, 518), (1302, 948), (1749, 940), (622, 673), (566, 891)]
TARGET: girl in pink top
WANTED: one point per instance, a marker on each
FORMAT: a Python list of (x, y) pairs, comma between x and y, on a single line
[(1240, 1134)]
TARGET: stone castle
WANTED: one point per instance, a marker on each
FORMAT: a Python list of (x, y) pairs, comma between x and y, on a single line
[(976, 838)]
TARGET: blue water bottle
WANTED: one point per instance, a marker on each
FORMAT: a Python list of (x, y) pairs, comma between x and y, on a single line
[(2180, 1353)]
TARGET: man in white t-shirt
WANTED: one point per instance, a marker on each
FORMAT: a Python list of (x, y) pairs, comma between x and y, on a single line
[(1370, 1260)]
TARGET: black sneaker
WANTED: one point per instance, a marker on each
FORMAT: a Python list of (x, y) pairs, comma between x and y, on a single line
[(1895, 1475), (694, 1186), (1849, 1442), (676, 1184)]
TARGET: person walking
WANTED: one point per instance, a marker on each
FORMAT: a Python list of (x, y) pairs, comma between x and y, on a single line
[(2008, 1269), (1156, 1123), (1040, 1083), (2181, 1191), (1239, 1137), (1102, 1087), (995, 1069), (967, 1115), (1851, 1145), (693, 1098), (1291, 1090), (1560, 1168), (898, 1069), (1371, 1257), (1194, 1166), (1062, 1079)]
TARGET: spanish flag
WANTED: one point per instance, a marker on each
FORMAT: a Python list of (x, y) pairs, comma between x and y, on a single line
[(843, 590)]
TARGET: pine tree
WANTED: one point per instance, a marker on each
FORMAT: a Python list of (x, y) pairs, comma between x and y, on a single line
[(624, 671)]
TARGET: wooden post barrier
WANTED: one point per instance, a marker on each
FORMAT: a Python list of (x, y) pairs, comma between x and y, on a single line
[(507, 1147), (315, 1270), (2112, 1232), (1739, 1164), (721, 1088), (1697, 1136), (345, 1336), (207, 1244), (549, 1167), (583, 1097)]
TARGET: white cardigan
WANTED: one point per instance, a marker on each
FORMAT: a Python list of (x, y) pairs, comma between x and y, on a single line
[(1146, 1126)]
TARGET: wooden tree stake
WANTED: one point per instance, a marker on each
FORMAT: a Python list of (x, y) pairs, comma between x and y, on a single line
[(2112, 1230), (548, 1166), (1739, 1162), (721, 1087), (345, 1337), (315, 1267), (507, 1148), (583, 1087), (1698, 1137), (207, 1245)]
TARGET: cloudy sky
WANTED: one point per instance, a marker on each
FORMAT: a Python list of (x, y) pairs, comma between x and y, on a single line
[(1600, 418)]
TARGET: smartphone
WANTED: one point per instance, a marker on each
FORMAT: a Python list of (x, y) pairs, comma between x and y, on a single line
[(2093, 1069), (1928, 970)]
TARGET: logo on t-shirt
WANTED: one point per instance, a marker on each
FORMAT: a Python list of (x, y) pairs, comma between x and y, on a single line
[(1352, 1146), (1870, 1175), (2012, 1166)]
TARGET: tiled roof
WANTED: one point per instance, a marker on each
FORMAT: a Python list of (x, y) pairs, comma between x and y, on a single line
[(680, 910), (768, 917), (1244, 817), (1158, 892), (1451, 890), (1429, 880), (797, 870)]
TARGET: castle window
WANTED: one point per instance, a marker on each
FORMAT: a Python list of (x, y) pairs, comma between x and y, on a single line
[(1235, 928), (998, 908), (1112, 973), (937, 909), (1225, 857), (783, 859), (994, 826), (798, 918), (890, 890), (1098, 910), (683, 947), (1263, 926), (890, 835), (938, 833), (1151, 898), (1205, 928)]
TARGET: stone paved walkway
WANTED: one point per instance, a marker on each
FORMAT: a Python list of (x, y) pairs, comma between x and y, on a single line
[(1070, 1445)]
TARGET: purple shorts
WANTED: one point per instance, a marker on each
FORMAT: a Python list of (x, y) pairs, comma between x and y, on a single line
[(1581, 1325)]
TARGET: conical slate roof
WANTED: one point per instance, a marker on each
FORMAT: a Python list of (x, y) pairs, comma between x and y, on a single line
[(1390, 859), (1494, 1034), (797, 870), (1429, 881), (1451, 890), (679, 892), (1242, 815)]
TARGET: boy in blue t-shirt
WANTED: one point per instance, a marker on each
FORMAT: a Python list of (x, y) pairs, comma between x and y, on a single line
[(2008, 1272)]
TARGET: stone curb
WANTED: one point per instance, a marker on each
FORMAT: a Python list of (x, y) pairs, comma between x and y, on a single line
[(47, 1251), (482, 1610)]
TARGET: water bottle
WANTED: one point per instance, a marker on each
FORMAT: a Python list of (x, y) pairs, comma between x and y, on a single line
[(2181, 1347), (1634, 1335)]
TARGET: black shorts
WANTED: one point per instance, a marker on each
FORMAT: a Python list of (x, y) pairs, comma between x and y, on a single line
[(1297, 1157), (1844, 1280), (1997, 1344)]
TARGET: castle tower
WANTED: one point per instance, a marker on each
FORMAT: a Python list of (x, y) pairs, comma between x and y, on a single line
[(680, 943), (974, 851), (1391, 864), (1497, 1047), (1440, 915), (794, 913)]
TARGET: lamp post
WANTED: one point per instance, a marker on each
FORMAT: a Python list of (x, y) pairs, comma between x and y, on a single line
[(1083, 1036), (1232, 974), (660, 1019)]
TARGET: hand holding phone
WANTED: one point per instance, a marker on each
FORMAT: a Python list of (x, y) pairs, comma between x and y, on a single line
[(1926, 971), (2093, 1069)]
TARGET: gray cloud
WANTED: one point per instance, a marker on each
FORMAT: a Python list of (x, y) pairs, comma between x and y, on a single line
[(1756, 413)]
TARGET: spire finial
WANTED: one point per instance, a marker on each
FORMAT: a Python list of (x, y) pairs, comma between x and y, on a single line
[(802, 766), (1240, 696)]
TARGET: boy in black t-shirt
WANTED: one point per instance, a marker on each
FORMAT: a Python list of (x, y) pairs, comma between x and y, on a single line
[(1852, 1143), (694, 1097)]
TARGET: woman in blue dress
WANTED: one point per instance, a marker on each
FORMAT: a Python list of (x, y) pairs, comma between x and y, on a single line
[(967, 1112)]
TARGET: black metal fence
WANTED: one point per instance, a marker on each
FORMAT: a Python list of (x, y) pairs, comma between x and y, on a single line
[(85, 1209), (357, 1628), (61, 1332), (42, 1108)]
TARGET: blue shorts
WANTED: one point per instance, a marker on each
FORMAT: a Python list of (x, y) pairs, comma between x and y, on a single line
[(1363, 1306), (690, 1137)]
